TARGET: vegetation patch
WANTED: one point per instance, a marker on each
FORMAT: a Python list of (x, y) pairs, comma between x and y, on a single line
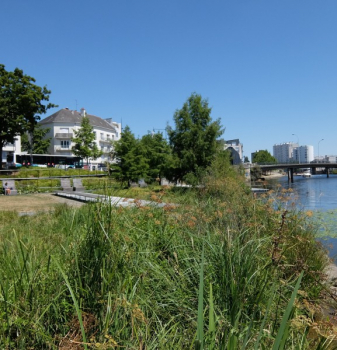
[(217, 269)]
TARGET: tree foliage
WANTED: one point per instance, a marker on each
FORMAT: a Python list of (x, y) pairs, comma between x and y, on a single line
[(85, 145), (21, 104), (37, 143), (194, 139), (147, 158), (132, 163), (263, 157), (158, 154)]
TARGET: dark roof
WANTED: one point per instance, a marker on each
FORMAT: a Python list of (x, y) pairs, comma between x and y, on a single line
[(67, 116)]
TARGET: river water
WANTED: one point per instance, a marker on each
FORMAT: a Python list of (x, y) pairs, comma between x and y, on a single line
[(319, 194)]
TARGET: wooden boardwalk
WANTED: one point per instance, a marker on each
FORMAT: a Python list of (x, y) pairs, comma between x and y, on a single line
[(115, 201)]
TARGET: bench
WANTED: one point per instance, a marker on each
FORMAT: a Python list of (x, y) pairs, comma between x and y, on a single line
[(77, 185), (65, 185), (8, 187)]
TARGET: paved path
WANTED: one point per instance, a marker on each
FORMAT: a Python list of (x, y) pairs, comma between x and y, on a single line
[(117, 201)]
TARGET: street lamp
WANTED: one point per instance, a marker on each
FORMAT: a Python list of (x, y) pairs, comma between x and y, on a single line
[(298, 149), (318, 148)]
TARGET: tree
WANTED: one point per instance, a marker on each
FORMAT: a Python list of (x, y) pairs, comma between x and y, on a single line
[(194, 139), (158, 154), (263, 157), (37, 143), (85, 145), (21, 102), (132, 163)]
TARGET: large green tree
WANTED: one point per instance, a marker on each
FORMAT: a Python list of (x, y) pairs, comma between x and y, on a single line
[(263, 157), (37, 142), (130, 154), (85, 145), (21, 104), (194, 139), (158, 154)]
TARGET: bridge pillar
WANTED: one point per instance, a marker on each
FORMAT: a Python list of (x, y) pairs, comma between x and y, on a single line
[(313, 171), (291, 175), (327, 172)]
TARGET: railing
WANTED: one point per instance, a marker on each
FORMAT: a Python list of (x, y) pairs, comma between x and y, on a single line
[(105, 139), (61, 149), (313, 163), (63, 135)]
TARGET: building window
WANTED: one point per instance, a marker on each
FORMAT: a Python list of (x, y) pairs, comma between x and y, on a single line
[(102, 136), (65, 144)]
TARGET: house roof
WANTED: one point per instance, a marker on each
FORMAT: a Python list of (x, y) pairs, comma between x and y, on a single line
[(65, 115)]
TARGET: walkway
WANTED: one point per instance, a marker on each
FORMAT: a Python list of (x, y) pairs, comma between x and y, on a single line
[(116, 201)]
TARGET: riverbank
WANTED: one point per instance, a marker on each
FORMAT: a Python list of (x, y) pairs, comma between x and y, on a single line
[(143, 271), (273, 176)]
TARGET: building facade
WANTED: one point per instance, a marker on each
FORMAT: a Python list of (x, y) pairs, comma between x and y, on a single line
[(304, 154), (237, 147), (11, 148), (326, 159), (284, 152), (290, 152), (63, 123)]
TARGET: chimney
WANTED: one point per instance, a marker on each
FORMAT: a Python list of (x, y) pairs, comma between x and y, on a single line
[(83, 112)]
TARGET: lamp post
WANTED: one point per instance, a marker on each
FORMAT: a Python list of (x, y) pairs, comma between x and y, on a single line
[(298, 149), (318, 148)]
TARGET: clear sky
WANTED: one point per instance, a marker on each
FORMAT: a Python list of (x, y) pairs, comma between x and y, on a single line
[(267, 67)]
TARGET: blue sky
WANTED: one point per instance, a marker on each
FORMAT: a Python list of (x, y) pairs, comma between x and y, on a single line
[(268, 68)]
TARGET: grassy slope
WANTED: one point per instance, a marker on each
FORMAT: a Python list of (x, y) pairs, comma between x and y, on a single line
[(131, 276)]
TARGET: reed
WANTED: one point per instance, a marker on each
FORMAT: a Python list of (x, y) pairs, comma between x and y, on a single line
[(221, 270)]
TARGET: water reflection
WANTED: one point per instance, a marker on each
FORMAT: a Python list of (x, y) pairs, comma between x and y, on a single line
[(317, 193)]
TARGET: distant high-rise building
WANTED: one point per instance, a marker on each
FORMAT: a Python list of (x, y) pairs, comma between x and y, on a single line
[(304, 154), (284, 152), (290, 152)]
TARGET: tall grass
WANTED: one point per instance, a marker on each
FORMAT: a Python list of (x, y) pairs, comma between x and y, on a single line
[(221, 270)]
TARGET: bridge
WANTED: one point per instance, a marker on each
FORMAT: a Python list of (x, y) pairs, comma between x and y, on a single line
[(291, 167)]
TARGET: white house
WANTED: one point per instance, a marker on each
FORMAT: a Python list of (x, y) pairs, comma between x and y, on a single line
[(63, 123), (11, 148)]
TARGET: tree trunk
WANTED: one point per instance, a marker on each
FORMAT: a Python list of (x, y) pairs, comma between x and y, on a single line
[(1, 148)]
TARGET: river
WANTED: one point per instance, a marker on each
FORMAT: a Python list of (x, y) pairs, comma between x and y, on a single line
[(319, 194)]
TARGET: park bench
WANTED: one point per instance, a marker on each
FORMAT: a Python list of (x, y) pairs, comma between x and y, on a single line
[(65, 185), (77, 185), (10, 186)]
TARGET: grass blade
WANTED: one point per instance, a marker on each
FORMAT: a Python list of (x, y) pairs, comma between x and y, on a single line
[(278, 344), (78, 310), (200, 328)]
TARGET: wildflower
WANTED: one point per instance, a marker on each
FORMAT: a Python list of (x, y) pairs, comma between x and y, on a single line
[(190, 224), (218, 213)]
